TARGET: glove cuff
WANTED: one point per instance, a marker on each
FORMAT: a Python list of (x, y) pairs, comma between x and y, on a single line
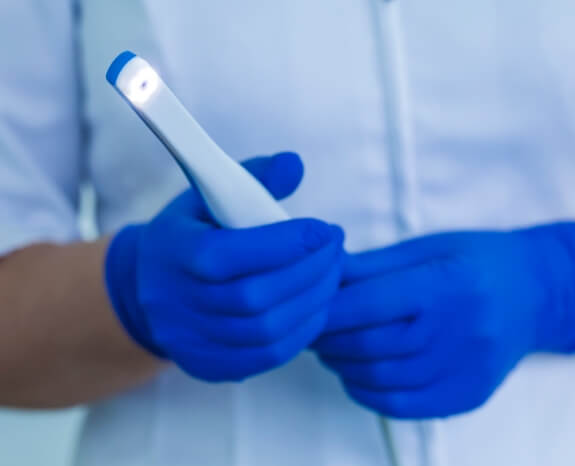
[(121, 274), (553, 250)]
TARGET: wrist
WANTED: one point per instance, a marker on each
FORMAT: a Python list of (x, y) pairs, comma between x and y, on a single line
[(552, 252), (121, 275)]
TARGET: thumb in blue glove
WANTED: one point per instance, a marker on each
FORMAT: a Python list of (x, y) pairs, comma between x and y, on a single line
[(431, 327), (226, 304)]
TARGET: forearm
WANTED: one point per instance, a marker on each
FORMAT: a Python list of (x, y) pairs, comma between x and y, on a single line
[(60, 342)]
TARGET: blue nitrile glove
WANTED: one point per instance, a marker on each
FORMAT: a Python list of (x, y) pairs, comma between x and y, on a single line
[(226, 304), (432, 326)]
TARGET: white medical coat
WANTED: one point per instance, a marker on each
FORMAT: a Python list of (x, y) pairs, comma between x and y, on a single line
[(412, 116)]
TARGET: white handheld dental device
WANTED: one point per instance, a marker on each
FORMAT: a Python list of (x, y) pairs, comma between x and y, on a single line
[(235, 198)]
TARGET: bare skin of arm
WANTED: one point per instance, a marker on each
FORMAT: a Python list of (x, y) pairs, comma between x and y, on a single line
[(60, 341)]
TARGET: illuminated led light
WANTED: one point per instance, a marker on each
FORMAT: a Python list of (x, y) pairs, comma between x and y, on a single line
[(143, 86)]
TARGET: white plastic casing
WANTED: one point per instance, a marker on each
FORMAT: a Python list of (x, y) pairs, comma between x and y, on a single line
[(235, 198)]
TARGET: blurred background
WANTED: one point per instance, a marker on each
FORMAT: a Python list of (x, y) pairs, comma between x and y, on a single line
[(45, 439)]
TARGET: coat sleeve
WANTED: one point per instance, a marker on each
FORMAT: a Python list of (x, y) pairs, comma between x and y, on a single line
[(40, 123)]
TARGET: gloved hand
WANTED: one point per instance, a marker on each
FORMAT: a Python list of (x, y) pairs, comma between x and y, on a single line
[(226, 304), (432, 326)]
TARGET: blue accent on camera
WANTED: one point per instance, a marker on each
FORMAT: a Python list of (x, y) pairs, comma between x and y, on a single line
[(118, 65)]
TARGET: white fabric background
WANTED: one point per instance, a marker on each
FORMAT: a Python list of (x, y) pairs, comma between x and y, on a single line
[(28, 439)]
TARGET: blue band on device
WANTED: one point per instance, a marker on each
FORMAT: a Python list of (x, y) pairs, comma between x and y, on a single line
[(118, 65)]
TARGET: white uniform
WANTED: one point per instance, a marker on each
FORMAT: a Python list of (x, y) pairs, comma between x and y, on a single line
[(451, 115)]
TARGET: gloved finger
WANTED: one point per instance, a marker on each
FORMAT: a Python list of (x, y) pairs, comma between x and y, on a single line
[(281, 174), (272, 325), (256, 294), (448, 397), (216, 363), (403, 255), (402, 338), (384, 299), (222, 255), (419, 370)]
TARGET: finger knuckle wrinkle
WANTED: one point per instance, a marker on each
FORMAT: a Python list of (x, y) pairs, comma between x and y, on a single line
[(250, 297), (204, 259), (314, 235)]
